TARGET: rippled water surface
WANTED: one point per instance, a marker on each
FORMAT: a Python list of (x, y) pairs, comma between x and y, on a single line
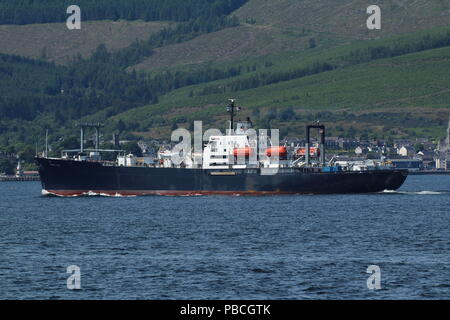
[(227, 247)]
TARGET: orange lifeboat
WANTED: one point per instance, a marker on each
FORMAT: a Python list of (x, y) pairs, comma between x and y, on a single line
[(280, 151), (242, 152), (313, 151)]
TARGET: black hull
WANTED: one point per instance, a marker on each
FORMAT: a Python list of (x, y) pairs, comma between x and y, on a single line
[(69, 178)]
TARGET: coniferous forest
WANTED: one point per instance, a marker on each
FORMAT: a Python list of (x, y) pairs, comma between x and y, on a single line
[(36, 95), (30, 87), (42, 11)]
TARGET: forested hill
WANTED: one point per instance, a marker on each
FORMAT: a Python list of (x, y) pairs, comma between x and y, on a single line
[(42, 11), (286, 61), (86, 86), (35, 94)]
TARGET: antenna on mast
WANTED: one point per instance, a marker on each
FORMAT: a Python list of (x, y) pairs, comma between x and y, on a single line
[(46, 143), (232, 110)]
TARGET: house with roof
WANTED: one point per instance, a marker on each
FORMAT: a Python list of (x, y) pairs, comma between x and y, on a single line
[(406, 151), (360, 150), (428, 158)]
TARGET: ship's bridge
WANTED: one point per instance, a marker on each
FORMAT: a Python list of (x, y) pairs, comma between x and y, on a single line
[(243, 126), (219, 151)]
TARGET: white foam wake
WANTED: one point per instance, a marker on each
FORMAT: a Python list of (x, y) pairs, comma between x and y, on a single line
[(116, 195), (425, 192), (46, 193), (84, 194)]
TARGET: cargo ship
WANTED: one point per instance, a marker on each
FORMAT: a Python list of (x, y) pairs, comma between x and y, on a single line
[(230, 164)]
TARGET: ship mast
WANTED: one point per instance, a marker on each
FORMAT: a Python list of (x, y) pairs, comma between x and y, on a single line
[(232, 110), (321, 129)]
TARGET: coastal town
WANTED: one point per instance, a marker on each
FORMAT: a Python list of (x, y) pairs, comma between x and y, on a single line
[(418, 156)]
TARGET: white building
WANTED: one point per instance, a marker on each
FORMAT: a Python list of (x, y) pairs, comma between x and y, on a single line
[(406, 151), (361, 150), (443, 161)]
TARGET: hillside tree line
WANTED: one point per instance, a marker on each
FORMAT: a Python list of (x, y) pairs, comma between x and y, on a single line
[(44, 11)]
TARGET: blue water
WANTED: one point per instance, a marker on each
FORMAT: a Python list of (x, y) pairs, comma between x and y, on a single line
[(227, 247)]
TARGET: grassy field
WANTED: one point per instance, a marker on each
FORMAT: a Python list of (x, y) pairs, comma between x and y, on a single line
[(225, 45), (54, 42), (270, 27), (348, 18)]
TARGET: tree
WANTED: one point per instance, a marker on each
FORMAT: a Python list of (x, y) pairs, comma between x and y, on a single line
[(71, 142), (120, 126), (132, 147), (264, 123), (419, 147), (351, 132), (287, 114), (272, 114), (27, 154), (65, 143), (109, 156), (101, 54), (6, 166)]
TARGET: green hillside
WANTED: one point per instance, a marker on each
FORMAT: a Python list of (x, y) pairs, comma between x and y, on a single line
[(347, 18), (22, 12), (267, 27), (289, 25), (416, 82), (288, 62), (54, 42)]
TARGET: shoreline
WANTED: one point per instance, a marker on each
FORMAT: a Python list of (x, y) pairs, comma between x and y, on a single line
[(15, 179), (419, 173)]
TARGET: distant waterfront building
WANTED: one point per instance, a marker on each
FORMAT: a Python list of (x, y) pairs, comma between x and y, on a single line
[(332, 143), (448, 135), (439, 163), (359, 150), (428, 158), (426, 155), (398, 143), (406, 151), (410, 164), (447, 161), (444, 145), (443, 152), (348, 144), (443, 160)]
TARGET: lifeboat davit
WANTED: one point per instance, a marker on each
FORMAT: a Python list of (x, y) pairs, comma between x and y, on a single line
[(280, 151), (242, 152)]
